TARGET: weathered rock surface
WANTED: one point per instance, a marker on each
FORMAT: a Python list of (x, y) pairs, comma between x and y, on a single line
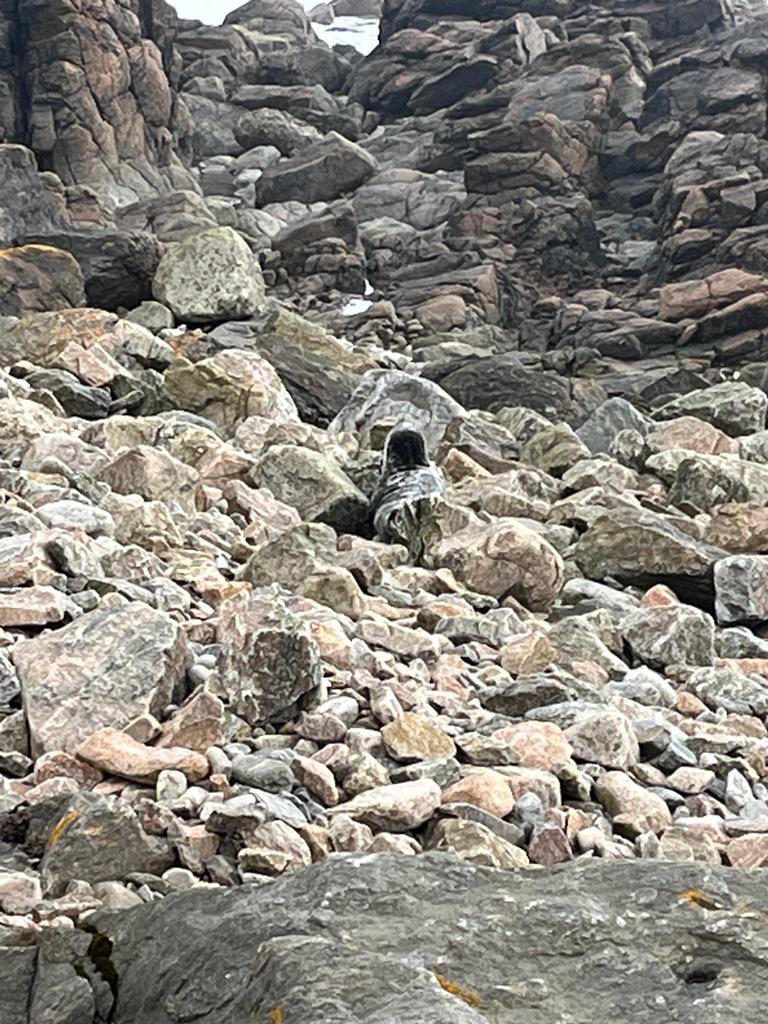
[(117, 753), (269, 658), (211, 276), (741, 589), (328, 169), (104, 669), (93, 90), (551, 907), (507, 559), (315, 485), (75, 848), (36, 278), (532, 232), (397, 808), (229, 387)]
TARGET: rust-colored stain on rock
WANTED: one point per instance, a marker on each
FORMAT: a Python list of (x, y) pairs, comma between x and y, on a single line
[(61, 827), (467, 995)]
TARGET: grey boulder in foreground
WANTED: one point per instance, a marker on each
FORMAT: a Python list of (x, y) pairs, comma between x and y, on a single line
[(382, 939)]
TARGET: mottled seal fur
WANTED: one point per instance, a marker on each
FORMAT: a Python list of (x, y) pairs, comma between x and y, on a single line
[(408, 476)]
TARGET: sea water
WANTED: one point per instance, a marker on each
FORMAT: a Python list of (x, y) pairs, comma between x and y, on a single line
[(362, 33)]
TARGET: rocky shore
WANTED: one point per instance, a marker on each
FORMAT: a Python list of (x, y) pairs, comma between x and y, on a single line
[(256, 764)]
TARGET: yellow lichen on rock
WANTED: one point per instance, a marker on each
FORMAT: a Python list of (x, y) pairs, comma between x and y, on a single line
[(467, 995), (61, 827)]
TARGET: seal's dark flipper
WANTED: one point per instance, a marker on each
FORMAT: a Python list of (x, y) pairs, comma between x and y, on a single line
[(406, 449)]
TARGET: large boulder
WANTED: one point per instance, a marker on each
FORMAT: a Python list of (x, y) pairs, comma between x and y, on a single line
[(319, 370), (154, 475), (384, 398), (741, 589), (22, 422), (37, 279), (705, 481), (644, 548), (599, 430), (275, 128), (292, 556), (210, 276), (497, 381), (734, 407), (269, 658), (117, 266), (330, 168), (671, 634), (315, 484), (29, 200), (91, 344), (406, 965), (229, 387), (504, 559), (75, 846), (312, 103), (104, 669)]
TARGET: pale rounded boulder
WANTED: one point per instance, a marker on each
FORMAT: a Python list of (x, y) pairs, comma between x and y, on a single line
[(210, 276)]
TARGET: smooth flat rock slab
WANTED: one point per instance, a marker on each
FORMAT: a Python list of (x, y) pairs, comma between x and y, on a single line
[(427, 940)]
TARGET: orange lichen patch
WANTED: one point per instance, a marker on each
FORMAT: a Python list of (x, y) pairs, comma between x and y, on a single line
[(181, 342), (467, 995), (277, 1016), (216, 592), (699, 899), (61, 827)]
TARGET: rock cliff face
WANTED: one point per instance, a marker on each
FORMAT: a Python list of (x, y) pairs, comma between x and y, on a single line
[(522, 743), (86, 87)]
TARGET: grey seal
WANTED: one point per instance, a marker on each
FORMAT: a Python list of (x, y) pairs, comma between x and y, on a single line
[(408, 477)]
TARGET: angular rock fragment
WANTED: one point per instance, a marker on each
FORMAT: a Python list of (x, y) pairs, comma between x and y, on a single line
[(482, 788), (38, 279), (671, 635), (644, 548), (505, 559), (102, 670), (229, 387), (325, 170), (75, 846), (117, 753), (605, 738), (395, 808), (387, 397), (315, 485), (741, 589), (410, 737), (601, 427), (32, 606), (153, 474), (473, 842), (269, 659), (198, 724), (632, 808), (734, 407)]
